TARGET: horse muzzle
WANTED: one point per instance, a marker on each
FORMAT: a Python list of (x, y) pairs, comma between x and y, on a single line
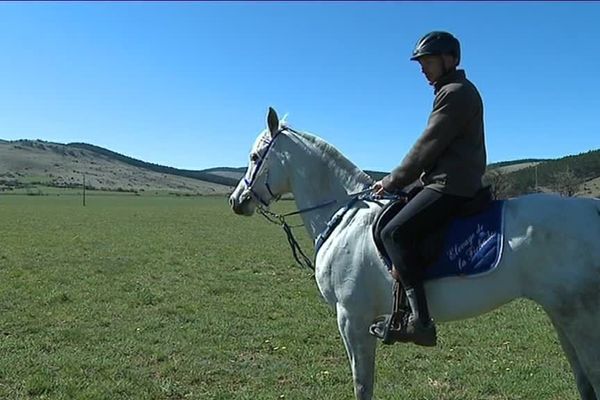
[(244, 205)]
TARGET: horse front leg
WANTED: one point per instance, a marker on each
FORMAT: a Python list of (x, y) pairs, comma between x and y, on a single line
[(360, 346)]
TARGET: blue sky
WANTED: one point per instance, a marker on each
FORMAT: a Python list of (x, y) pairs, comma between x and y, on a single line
[(188, 84)]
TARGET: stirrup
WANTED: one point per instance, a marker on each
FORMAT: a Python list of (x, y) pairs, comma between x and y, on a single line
[(385, 327), (380, 328)]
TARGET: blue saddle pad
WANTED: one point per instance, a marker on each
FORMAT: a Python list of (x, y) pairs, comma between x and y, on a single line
[(472, 245)]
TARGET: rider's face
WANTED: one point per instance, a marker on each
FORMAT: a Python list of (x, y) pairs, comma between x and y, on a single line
[(432, 67)]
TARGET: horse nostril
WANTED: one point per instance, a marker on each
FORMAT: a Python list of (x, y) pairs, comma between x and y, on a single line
[(231, 202)]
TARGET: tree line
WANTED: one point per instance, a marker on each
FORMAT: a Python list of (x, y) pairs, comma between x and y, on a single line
[(565, 176)]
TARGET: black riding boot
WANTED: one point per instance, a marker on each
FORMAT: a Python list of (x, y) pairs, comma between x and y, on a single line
[(404, 325), (418, 327)]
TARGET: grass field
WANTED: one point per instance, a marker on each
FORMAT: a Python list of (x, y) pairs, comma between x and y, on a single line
[(137, 297)]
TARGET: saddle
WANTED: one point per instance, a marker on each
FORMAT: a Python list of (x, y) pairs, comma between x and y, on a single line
[(477, 226), (430, 248)]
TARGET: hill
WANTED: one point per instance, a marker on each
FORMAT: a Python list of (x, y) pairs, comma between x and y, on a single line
[(35, 164), (227, 172), (571, 175), (517, 162), (201, 175)]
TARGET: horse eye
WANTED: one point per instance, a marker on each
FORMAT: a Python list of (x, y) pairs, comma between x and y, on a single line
[(253, 157)]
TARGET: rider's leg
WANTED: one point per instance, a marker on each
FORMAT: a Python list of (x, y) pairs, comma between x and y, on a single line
[(428, 210)]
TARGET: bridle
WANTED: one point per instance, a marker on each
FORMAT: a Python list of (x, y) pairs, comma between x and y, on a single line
[(280, 219), (256, 173), (263, 205)]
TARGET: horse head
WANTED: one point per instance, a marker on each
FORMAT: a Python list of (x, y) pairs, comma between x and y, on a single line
[(265, 179)]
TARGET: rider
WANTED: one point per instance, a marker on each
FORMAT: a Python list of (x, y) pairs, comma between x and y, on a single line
[(449, 158)]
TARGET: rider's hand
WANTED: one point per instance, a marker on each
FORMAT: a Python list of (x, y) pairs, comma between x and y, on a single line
[(378, 188)]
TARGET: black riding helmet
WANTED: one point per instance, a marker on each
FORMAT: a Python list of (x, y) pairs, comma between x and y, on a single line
[(437, 43)]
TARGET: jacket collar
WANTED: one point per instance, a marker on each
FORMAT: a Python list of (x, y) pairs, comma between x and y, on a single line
[(450, 77)]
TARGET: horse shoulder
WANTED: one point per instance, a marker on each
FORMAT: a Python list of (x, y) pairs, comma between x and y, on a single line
[(348, 267)]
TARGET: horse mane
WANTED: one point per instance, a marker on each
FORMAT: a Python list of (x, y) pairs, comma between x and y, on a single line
[(336, 158)]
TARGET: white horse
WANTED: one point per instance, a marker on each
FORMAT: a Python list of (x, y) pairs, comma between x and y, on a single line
[(551, 254)]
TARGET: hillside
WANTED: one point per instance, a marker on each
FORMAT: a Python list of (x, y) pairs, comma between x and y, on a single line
[(516, 162), (29, 164), (201, 175), (227, 172), (34, 164), (576, 174)]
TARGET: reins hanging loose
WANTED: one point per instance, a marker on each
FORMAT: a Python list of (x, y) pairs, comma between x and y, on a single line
[(301, 258), (279, 219)]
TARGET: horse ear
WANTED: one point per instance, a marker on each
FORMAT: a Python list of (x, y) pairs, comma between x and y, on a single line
[(272, 121)]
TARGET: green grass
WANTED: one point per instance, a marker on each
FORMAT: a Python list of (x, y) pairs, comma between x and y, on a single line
[(137, 297)]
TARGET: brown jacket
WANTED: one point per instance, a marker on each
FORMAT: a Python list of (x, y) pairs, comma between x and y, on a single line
[(450, 155)]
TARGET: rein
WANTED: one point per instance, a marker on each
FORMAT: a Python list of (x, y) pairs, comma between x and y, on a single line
[(301, 258), (279, 219)]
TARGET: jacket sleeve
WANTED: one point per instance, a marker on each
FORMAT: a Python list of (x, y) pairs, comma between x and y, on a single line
[(443, 126)]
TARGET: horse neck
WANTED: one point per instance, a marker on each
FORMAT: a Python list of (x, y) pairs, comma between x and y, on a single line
[(320, 174)]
